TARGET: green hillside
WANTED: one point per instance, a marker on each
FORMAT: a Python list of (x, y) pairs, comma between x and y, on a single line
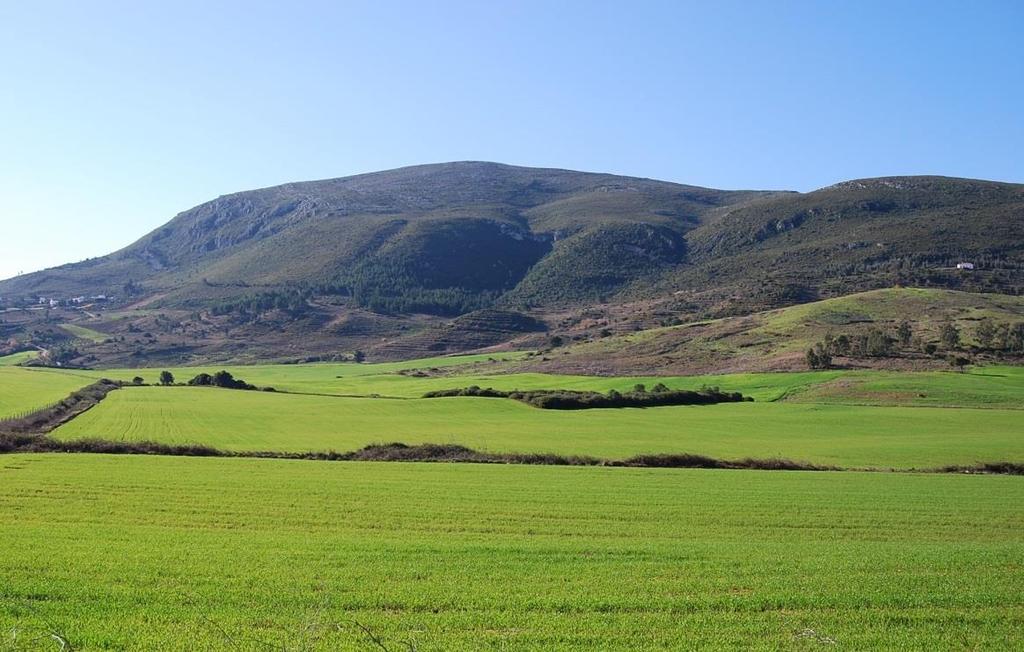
[(859, 235), (435, 238), (778, 339)]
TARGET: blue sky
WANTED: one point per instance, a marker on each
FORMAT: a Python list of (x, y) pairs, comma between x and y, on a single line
[(115, 116)]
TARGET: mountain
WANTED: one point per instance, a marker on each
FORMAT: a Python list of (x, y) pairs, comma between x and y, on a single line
[(434, 238), (861, 235), (458, 256)]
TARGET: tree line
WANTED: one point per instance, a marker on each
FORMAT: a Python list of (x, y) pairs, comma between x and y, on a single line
[(222, 378), (991, 337), (563, 399)]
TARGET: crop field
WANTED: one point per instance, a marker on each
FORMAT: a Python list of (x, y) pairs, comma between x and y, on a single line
[(17, 358), (990, 386), (23, 390), (149, 552), (833, 434), (186, 553), (845, 418), (84, 332), (994, 386)]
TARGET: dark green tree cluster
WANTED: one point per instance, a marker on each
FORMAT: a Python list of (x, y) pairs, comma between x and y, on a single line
[(446, 267), (292, 301), (220, 379), (875, 343), (819, 356), (558, 399), (62, 354), (1000, 337)]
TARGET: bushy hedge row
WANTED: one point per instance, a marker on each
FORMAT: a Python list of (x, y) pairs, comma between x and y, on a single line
[(561, 399), (220, 379)]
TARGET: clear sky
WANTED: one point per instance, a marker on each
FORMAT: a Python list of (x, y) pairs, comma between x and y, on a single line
[(115, 116)]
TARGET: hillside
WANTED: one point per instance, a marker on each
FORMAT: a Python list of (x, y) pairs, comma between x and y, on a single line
[(777, 340), (855, 236), (434, 238), (459, 256)]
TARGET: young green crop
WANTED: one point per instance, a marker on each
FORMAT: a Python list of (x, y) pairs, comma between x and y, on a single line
[(17, 358), (829, 434), (1000, 386), (23, 390), (185, 553), (85, 333)]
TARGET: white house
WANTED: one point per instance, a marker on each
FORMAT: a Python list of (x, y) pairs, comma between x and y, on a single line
[(965, 265)]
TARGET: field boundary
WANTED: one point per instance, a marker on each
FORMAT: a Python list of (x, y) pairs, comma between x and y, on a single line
[(11, 443), (46, 419)]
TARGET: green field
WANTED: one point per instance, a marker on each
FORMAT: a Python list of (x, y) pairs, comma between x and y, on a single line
[(833, 434), (23, 390), (185, 553), (17, 358), (84, 333), (994, 386), (382, 380), (145, 552), (850, 419)]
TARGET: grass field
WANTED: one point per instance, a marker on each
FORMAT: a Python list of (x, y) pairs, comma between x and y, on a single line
[(23, 390), (84, 333), (17, 358), (995, 386), (382, 380), (858, 419), (185, 553), (833, 434)]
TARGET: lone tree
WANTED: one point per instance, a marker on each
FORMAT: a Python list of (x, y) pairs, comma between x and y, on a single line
[(879, 345), (985, 333), (904, 332), (819, 357), (949, 336), (166, 378), (959, 362), (841, 345), (137, 380)]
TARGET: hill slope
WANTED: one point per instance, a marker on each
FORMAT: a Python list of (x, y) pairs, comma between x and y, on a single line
[(441, 239), (860, 235), (777, 340), (383, 262)]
